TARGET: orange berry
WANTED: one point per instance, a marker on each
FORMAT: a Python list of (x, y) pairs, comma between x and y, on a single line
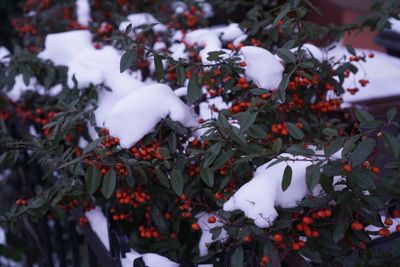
[(388, 221), (265, 259), (195, 226), (212, 219), (347, 168), (375, 169), (398, 228), (315, 234), (278, 237), (328, 213), (357, 226), (295, 246), (308, 220)]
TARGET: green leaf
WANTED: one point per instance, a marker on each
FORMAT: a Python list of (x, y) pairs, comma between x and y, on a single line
[(109, 183), (364, 116), (295, 132), (391, 114), (128, 60), (223, 158), (207, 176), (363, 178), (362, 151), (180, 75), (159, 67), (283, 12), (212, 154), (277, 145), (92, 179), (177, 182), (286, 55), (334, 146), (162, 177), (215, 55), (287, 178), (237, 257), (194, 88), (92, 145), (247, 119), (128, 29), (313, 175), (330, 132), (392, 144)]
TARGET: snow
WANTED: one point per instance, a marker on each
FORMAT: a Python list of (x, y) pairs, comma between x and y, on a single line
[(258, 197), (83, 12), (3, 53), (60, 53), (2, 236), (206, 38), (178, 51), (122, 85), (395, 24), (391, 228), (311, 51), (19, 87), (228, 33), (137, 114), (262, 67), (382, 71), (142, 19), (150, 259), (206, 235), (99, 225)]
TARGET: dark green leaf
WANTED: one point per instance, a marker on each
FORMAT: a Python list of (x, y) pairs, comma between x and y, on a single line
[(128, 60), (313, 174), (207, 176), (237, 257), (162, 177), (286, 55), (287, 178), (362, 151), (159, 67), (92, 145), (391, 114), (92, 179), (295, 132), (194, 88), (177, 182), (277, 145), (109, 183)]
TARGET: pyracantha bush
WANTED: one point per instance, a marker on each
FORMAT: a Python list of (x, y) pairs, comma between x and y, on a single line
[(204, 143)]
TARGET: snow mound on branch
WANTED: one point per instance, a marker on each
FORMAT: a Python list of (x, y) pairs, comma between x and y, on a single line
[(206, 235), (142, 19), (228, 33), (83, 12), (178, 51), (395, 25), (262, 67), (122, 85), (150, 259), (98, 223), (206, 38), (137, 114), (62, 47), (3, 53), (311, 51), (258, 197)]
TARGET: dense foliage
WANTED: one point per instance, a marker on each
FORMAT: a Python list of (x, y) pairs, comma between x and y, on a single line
[(155, 189)]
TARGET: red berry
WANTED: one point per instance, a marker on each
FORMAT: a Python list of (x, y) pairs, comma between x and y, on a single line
[(195, 226), (212, 219), (347, 168), (278, 237)]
